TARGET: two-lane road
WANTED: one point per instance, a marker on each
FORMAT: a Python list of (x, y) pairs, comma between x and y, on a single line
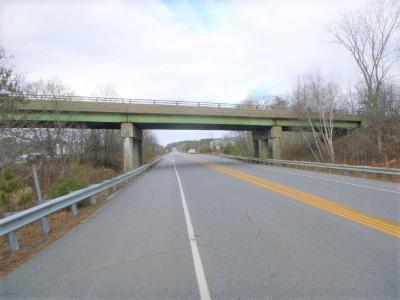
[(203, 226)]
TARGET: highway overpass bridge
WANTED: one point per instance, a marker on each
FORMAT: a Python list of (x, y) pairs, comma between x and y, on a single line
[(134, 115)]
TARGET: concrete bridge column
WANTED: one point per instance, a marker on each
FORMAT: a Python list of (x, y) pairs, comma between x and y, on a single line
[(267, 142), (275, 141), (256, 148), (132, 143), (260, 144)]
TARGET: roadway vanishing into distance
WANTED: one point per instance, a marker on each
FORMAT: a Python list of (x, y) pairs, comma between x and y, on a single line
[(197, 226)]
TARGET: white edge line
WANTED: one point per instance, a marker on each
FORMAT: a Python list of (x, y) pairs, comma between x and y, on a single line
[(198, 266), (332, 180)]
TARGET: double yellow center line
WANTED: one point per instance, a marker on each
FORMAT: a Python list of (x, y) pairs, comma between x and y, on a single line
[(381, 224)]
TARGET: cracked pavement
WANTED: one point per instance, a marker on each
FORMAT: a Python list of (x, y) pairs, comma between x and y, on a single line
[(253, 243)]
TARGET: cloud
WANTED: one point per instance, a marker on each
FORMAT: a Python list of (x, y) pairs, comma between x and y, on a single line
[(212, 50)]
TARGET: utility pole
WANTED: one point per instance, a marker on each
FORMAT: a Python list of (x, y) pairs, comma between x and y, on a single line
[(44, 220)]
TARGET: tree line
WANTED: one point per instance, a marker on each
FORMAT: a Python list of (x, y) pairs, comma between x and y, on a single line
[(57, 150), (370, 35)]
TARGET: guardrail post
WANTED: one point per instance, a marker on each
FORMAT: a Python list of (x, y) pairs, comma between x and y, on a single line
[(13, 244), (365, 174), (74, 210), (93, 200)]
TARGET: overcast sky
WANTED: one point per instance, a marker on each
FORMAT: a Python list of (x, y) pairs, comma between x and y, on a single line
[(193, 50)]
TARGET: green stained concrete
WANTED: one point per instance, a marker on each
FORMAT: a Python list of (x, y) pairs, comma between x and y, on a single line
[(215, 120), (165, 121)]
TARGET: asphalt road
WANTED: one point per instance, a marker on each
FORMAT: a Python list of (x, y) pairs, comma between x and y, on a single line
[(201, 226)]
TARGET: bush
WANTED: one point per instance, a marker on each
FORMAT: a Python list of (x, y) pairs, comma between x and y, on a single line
[(8, 174), (25, 198), (10, 183), (65, 185), (5, 199), (230, 150), (10, 186), (78, 171), (105, 174)]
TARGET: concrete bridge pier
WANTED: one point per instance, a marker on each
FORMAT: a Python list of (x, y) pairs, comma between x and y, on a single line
[(267, 143), (132, 146), (275, 141), (256, 147)]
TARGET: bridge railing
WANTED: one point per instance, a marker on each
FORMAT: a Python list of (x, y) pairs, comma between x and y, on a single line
[(10, 224), (183, 103), (346, 169)]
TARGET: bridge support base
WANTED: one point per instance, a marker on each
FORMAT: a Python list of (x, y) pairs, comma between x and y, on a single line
[(267, 143), (256, 147), (132, 144)]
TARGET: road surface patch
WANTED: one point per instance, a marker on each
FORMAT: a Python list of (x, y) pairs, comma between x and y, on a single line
[(377, 223), (198, 266), (332, 180)]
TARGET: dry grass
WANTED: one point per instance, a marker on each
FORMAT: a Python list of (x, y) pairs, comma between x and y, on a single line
[(32, 240)]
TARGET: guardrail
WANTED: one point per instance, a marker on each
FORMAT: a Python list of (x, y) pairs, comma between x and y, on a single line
[(40, 97), (365, 170), (11, 223)]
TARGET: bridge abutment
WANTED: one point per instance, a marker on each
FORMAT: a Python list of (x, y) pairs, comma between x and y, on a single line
[(267, 143), (132, 146)]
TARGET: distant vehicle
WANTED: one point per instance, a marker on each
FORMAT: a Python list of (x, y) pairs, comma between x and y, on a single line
[(191, 151), (30, 157), (34, 157), (22, 158)]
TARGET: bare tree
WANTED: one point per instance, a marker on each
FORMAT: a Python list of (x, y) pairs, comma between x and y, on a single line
[(267, 102), (105, 144), (9, 84), (54, 138), (316, 102), (371, 36)]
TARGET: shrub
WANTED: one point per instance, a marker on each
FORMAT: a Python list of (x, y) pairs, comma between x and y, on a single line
[(65, 185), (8, 174), (5, 199), (105, 174), (230, 150), (10, 186), (25, 198), (78, 171)]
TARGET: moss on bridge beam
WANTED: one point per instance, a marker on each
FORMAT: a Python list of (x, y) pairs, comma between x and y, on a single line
[(159, 121)]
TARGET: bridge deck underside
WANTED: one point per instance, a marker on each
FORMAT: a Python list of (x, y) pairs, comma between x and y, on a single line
[(159, 121)]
